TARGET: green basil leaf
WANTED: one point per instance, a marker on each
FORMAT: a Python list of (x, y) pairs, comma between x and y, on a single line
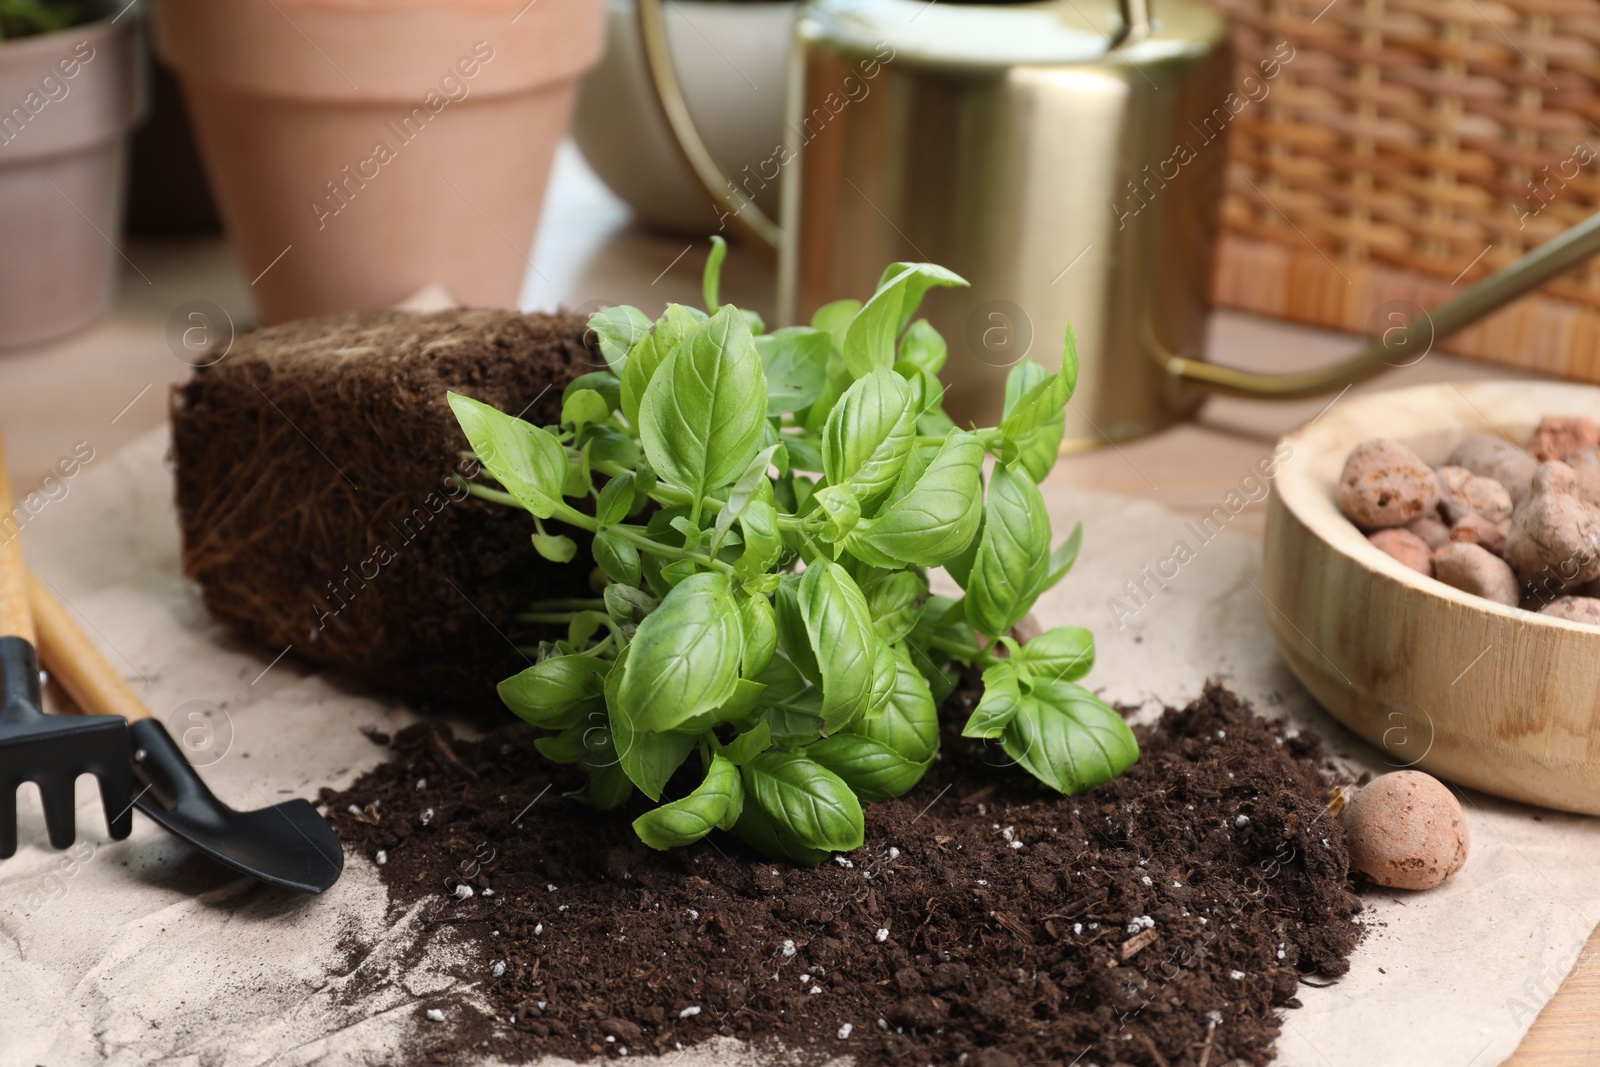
[(646, 357), (847, 649), (894, 600), (763, 545), (580, 480), (627, 605), (936, 519), (760, 626), (834, 319), (1013, 555), (793, 706), (583, 406), (711, 280), (703, 412), (527, 461), (1066, 737), (567, 746), (648, 759), (616, 557), (1034, 419), (752, 484), (805, 453), (833, 386), (873, 770), (684, 659), (795, 359), (608, 787), (557, 548), (868, 434), (869, 341), (805, 800), (618, 330), (1001, 701), (608, 444), (557, 693), (1060, 654), (923, 348), (793, 637), (584, 625), (607, 384), (750, 744), (1065, 555), (616, 499), (770, 838), (716, 801), (909, 725), (737, 708)]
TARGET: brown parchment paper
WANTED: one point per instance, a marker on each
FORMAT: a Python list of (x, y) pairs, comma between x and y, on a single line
[(139, 952)]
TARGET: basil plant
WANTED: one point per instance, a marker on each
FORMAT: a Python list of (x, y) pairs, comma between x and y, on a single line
[(764, 509)]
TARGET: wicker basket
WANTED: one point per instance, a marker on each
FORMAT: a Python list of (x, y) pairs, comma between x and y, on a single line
[(1385, 151)]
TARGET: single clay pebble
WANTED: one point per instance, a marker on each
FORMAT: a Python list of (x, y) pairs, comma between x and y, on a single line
[(1462, 493), (1476, 570), (1406, 547), (1385, 484), (1561, 435), (1434, 533), (1586, 465), (1554, 540), (1477, 530), (1585, 609), (1405, 830), (1494, 457)]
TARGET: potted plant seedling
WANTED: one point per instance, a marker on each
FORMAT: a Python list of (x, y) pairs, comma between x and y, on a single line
[(69, 97), (764, 511), (361, 150)]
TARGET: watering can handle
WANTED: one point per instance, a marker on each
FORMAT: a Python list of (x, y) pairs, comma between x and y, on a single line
[(1551, 259), (746, 218)]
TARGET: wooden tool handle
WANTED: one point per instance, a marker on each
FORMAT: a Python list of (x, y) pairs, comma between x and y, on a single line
[(15, 618), (71, 658)]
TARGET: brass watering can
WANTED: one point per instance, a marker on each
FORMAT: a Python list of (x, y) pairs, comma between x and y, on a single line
[(1066, 158)]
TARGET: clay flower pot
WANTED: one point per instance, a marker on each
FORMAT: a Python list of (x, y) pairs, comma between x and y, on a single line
[(361, 149), (732, 61), (68, 101)]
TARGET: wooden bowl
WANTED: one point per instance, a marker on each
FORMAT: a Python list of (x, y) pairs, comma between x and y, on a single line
[(1496, 698)]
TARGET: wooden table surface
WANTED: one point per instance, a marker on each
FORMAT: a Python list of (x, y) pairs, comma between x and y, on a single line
[(110, 383)]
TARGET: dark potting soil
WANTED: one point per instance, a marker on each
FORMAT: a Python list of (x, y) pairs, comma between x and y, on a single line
[(313, 470), (1165, 918)]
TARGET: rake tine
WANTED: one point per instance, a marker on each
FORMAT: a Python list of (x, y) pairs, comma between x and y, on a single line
[(116, 782), (8, 819), (56, 793)]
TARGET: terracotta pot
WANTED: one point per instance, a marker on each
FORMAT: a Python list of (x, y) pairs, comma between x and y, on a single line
[(361, 149), (67, 103), (731, 60)]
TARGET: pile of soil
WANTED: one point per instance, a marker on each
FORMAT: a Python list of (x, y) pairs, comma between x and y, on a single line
[(314, 494), (1162, 919)]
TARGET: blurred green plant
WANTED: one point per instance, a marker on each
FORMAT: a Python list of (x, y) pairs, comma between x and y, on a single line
[(25, 18), (768, 605)]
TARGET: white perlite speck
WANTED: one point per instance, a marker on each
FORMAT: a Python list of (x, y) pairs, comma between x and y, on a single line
[(844, 1031), (435, 1015), (1140, 922), (693, 1009), (488, 892), (1241, 822), (538, 928), (426, 817), (816, 989), (422, 783), (1016, 844), (691, 913), (882, 935), (1236, 975), (463, 891), (1145, 878), (788, 949), (499, 969), (354, 810), (381, 858), (1077, 928), (894, 853), (841, 861)]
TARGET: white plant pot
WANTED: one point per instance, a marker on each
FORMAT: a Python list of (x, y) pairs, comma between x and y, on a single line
[(732, 60)]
